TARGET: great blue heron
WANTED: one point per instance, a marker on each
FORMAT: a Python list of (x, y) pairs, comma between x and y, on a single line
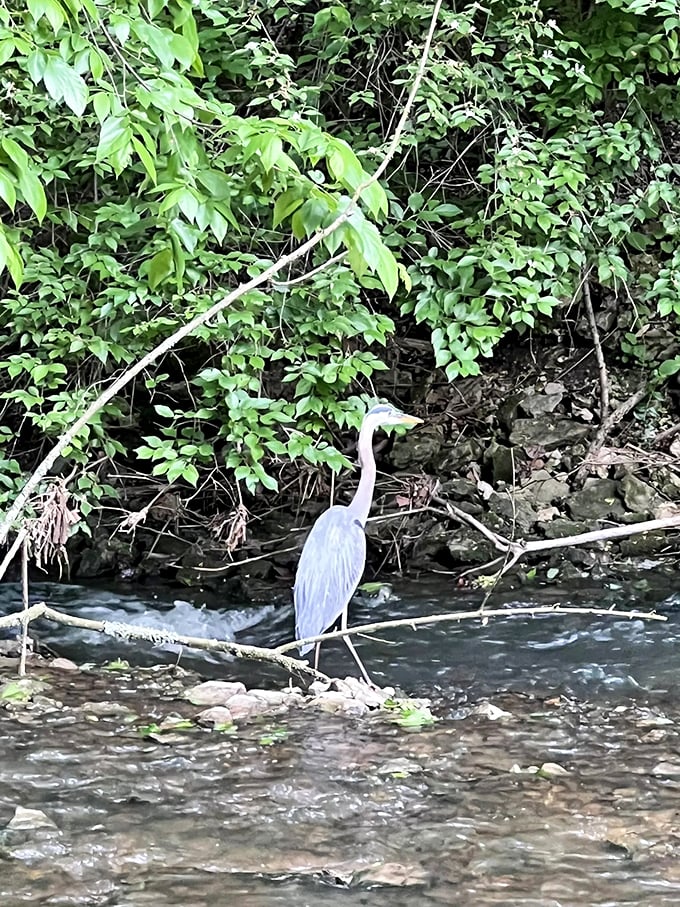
[(334, 555)]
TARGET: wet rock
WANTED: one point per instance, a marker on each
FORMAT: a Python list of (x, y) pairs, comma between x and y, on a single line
[(548, 432), (64, 664), (421, 448), (597, 500), (216, 716), (552, 770), (245, 705), (637, 495), (333, 701), (502, 462), (214, 692), (490, 711), (667, 769), (105, 707), (30, 818), (400, 875), (400, 767)]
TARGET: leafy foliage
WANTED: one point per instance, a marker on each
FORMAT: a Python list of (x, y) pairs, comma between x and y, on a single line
[(153, 155)]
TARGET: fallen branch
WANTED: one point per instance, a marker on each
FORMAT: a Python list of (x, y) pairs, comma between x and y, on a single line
[(41, 611), (517, 549), (17, 508), (478, 614)]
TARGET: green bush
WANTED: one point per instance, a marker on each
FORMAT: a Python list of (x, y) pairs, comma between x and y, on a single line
[(153, 156)]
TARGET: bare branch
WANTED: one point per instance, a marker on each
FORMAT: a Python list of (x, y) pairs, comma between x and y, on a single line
[(159, 637), (478, 614)]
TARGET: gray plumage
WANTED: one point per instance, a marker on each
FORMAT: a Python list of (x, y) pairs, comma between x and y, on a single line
[(334, 555), (329, 571)]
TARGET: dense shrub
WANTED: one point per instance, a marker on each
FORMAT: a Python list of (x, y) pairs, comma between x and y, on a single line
[(154, 155)]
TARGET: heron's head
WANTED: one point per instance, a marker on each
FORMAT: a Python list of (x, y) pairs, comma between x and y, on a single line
[(386, 414)]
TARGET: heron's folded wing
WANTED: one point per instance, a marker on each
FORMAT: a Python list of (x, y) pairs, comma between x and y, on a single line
[(329, 571)]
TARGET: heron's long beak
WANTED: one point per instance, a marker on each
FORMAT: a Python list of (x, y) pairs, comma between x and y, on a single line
[(410, 420)]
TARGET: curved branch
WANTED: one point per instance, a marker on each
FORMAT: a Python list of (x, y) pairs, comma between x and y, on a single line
[(160, 637), (478, 614), (110, 392)]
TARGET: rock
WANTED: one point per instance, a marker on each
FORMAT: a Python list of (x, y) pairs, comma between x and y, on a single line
[(515, 508), (459, 489), (244, 705), (421, 448), (551, 770), (637, 495), (216, 715), (490, 711), (464, 453), (399, 766), (214, 692), (644, 544), (30, 818), (667, 769), (545, 489), (598, 500), (64, 664), (562, 528), (540, 404), (467, 547), (548, 432), (502, 462)]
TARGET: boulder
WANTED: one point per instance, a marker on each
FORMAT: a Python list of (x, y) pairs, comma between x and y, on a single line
[(597, 500), (464, 453), (502, 462), (548, 432), (535, 404), (637, 495), (542, 488), (562, 528), (418, 448)]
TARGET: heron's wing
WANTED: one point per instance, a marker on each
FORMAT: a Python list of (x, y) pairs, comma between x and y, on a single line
[(329, 571)]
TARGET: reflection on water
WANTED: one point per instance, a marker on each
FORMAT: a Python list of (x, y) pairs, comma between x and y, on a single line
[(347, 813)]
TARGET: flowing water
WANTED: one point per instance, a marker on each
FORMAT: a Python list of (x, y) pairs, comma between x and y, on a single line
[(317, 809)]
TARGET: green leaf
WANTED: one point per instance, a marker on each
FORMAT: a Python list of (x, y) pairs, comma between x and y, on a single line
[(50, 9), (64, 84), (7, 191), (33, 193), (161, 266)]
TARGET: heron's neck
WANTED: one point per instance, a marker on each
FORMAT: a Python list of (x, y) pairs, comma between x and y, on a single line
[(361, 502)]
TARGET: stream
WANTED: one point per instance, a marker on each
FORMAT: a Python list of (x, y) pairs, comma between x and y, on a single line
[(551, 777)]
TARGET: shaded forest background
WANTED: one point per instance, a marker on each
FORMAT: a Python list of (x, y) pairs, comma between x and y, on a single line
[(153, 156)]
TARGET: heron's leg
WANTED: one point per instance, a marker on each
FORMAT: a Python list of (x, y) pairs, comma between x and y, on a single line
[(355, 655), (317, 650)]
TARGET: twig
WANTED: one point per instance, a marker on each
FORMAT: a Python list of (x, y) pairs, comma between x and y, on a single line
[(599, 355), (24, 596), (166, 345), (284, 284), (12, 550), (517, 549), (159, 637), (478, 614), (499, 541)]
